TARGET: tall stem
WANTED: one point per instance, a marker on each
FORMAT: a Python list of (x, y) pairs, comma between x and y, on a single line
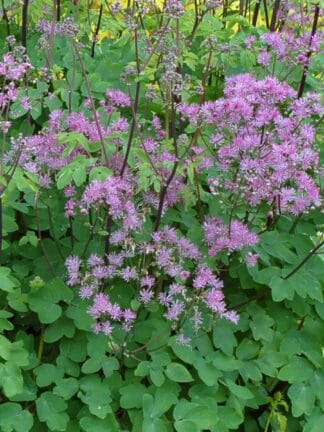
[(311, 253), (24, 23), (266, 15), (58, 10), (164, 188), (134, 110), (84, 73), (309, 53), (256, 12), (1, 225), (5, 16), (275, 10), (95, 36)]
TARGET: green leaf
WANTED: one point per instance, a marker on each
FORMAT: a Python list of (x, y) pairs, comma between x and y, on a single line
[(64, 177), (47, 312), (164, 398), (223, 336), (207, 372), (66, 387), (92, 365), (11, 379), (110, 365), (230, 417), (178, 373), (13, 418), (225, 363), (281, 289), (317, 384), (250, 371), (132, 395), (5, 324), (302, 399), (97, 345), (79, 175), (70, 367), (205, 417), (297, 370), (51, 409), (143, 369), (186, 426), (183, 352), (260, 323), (247, 349), (96, 394), (6, 282), (157, 376), (75, 349), (78, 313), (100, 173), (239, 391), (43, 301), (47, 373), (5, 347), (93, 424), (314, 423), (61, 327)]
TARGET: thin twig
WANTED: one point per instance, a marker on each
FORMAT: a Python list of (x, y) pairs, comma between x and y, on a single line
[(24, 24), (311, 253), (95, 36), (48, 262), (309, 53), (84, 73)]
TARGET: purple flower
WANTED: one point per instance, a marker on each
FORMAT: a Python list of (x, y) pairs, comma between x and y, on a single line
[(129, 316), (95, 260), (174, 311), (100, 272), (252, 259), (147, 281), (231, 316), (128, 273), (73, 264), (107, 328), (118, 98), (215, 300), (264, 58), (115, 311), (183, 340), (25, 103), (205, 278), (145, 295), (87, 291), (101, 305)]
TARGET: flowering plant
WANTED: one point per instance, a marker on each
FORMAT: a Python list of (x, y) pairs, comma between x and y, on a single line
[(160, 216)]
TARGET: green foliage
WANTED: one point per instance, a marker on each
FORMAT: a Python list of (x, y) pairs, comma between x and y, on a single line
[(55, 373)]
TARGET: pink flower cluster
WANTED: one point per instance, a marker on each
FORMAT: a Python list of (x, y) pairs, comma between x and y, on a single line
[(63, 28), (115, 194), (192, 286), (288, 48), (13, 68), (264, 146), (45, 153), (78, 122), (232, 237)]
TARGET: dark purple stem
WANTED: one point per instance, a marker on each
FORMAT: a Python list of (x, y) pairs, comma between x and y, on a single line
[(309, 53), (256, 12), (95, 36), (311, 253), (276, 6), (58, 10), (24, 23)]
